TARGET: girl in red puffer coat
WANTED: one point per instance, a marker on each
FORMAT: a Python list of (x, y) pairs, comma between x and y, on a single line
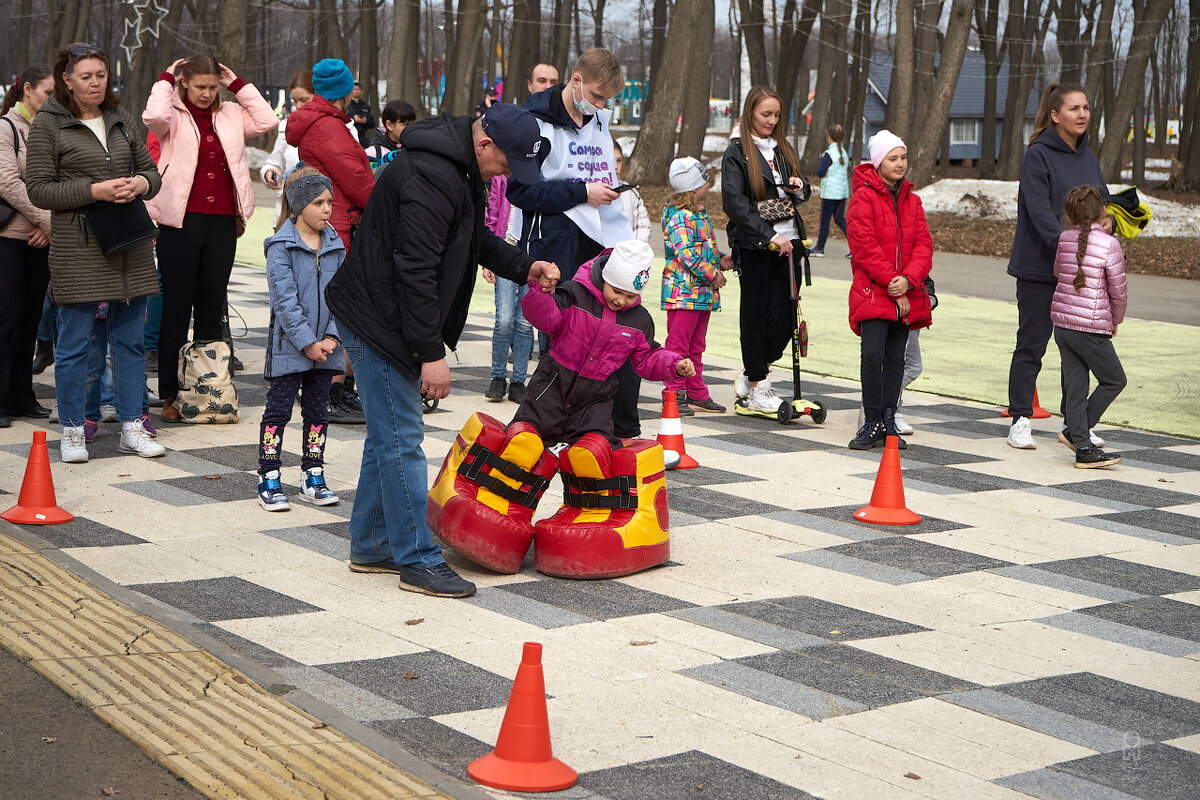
[(891, 254)]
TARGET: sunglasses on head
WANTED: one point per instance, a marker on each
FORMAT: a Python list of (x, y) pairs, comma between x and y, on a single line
[(85, 50)]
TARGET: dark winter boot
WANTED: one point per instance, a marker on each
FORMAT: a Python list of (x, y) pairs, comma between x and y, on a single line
[(889, 428), (868, 436), (43, 356)]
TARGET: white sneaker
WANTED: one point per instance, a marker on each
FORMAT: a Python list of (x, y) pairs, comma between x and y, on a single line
[(136, 439), (763, 399), (108, 413), (53, 415), (73, 447), (902, 427), (741, 387), (1096, 440), (1020, 435)]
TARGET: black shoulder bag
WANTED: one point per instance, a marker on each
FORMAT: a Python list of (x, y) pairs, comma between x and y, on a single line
[(119, 226)]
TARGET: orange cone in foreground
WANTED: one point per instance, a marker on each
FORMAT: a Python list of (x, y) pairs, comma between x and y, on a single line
[(670, 432), (887, 500), (522, 760), (1038, 411), (36, 505)]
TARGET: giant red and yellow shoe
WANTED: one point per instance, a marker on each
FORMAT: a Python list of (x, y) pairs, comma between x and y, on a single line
[(491, 481), (613, 520)]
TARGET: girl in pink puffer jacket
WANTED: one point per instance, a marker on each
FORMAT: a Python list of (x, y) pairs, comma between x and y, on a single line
[(1088, 305)]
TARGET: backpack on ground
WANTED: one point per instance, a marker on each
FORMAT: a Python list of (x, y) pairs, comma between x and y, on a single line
[(206, 391)]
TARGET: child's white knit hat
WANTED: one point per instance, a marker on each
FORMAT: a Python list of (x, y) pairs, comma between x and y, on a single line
[(883, 143), (686, 174), (628, 266)]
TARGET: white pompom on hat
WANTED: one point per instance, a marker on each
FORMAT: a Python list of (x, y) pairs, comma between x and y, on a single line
[(883, 143), (628, 266)]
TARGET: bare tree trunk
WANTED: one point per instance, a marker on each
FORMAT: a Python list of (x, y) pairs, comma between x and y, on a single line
[(231, 33), (699, 72), (1159, 105), (839, 90), (1070, 46), (564, 16), (25, 34), (656, 144), (82, 19), (1022, 71), (368, 55), (1099, 66), (987, 21), (753, 27), (930, 138), (793, 77), (598, 24), (523, 51), (1188, 178), (1133, 81), (658, 45), (329, 29), (403, 75), (861, 74), (900, 97), (1139, 138), (827, 58), (166, 36), (460, 75), (448, 28), (928, 14)]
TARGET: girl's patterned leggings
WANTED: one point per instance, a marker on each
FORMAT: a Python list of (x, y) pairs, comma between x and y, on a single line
[(313, 387)]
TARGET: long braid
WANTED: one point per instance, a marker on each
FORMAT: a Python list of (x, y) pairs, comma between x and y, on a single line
[(1080, 251), (1084, 207)]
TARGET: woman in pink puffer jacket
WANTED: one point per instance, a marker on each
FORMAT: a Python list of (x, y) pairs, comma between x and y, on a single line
[(1088, 305)]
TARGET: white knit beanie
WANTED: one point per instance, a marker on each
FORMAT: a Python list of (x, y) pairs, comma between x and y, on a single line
[(883, 143), (686, 174), (628, 266)]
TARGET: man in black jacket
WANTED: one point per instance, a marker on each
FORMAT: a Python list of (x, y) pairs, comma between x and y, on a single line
[(401, 299), (359, 111)]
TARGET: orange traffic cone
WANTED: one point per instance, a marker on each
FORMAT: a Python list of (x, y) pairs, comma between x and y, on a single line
[(522, 760), (1038, 411), (670, 432), (887, 500), (36, 505)]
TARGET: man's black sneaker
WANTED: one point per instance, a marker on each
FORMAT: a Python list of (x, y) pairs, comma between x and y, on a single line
[(236, 365), (439, 581), (1091, 457), (343, 408), (890, 429), (495, 390), (516, 392), (871, 434), (43, 356)]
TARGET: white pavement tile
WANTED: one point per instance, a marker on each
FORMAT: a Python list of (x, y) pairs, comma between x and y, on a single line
[(144, 563), (321, 637)]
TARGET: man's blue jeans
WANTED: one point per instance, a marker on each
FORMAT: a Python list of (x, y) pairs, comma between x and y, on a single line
[(388, 520), (124, 323), (511, 330)]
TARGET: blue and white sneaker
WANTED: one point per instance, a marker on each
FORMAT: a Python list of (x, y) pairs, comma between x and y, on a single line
[(270, 493), (314, 489)]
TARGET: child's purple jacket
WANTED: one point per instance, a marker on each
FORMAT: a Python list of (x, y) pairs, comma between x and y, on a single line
[(589, 338)]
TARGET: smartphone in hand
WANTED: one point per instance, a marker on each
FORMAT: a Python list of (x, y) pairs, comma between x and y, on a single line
[(624, 187)]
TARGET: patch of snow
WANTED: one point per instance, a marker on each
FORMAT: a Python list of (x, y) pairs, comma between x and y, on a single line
[(997, 201), (255, 158), (1127, 175)]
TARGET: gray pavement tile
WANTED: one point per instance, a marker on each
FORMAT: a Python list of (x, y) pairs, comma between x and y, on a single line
[(1169, 462), (847, 528), (1127, 575), (914, 555), (967, 428), (104, 447), (434, 743), (164, 492), (748, 628), (730, 445), (188, 461), (1132, 493), (252, 650), (1104, 523), (966, 480), (687, 775), (863, 677), (1130, 438), (353, 700), (1155, 771), (821, 618), (1121, 706), (216, 599), (312, 538), (339, 529), (936, 455), (83, 532), (1049, 784), (222, 487), (707, 476), (1045, 720), (713, 505), (251, 395), (830, 559), (243, 457), (1081, 622), (927, 524), (525, 609), (957, 411), (1159, 614), (1158, 520), (679, 519), (1067, 583), (773, 690), (429, 683), (1059, 493), (773, 441), (595, 599)]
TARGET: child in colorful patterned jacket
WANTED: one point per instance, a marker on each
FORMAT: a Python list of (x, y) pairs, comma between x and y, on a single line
[(692, 279), (595, 322)]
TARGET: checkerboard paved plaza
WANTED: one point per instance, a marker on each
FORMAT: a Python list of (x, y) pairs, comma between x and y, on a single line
[(1036, 635)]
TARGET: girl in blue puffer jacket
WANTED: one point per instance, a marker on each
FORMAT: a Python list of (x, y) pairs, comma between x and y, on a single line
[(303, 352), (595, 322)]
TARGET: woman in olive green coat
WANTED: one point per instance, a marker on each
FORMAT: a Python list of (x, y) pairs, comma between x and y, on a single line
[(83, 148)]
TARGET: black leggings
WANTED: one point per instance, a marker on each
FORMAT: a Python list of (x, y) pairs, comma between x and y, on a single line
[(195, 262), (765, 317), (24, 275), (313, 387), (882, 366)]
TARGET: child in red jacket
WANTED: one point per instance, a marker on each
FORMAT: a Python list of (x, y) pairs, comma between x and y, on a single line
[(891, 254)]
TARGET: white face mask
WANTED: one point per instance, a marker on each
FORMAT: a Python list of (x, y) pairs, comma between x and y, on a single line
[(581, 105)]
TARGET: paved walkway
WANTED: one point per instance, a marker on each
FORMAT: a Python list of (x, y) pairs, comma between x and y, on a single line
[(1035, 636)]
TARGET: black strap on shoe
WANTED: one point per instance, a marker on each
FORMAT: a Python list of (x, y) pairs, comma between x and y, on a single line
[(482, 457), (580, 492)]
